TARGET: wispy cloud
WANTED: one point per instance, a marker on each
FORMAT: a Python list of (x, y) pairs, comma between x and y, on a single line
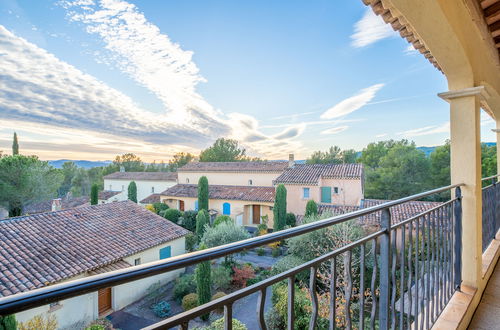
[(370, 29), (410, 50), (427, 130), (352, 103), (381, 135), (486, 119), (334, 130)]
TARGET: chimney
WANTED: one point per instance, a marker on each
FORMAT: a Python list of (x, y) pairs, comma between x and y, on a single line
[(291, 161), (122, 168), (56, 204)]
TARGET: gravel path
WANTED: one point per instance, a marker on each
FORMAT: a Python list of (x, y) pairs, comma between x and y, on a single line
[(245, 309)]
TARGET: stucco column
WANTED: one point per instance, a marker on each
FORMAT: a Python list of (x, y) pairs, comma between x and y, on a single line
[(466, 168), (497, 132)]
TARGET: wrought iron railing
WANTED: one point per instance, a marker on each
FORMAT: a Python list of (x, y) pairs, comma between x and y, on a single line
[(491, 209), (415, 267)]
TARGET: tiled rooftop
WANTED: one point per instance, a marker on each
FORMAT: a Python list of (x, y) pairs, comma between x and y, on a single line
[(311, 173), (153, 198), (157, 176), (257, 166), (107, 194), (46, 248), (241, 193), (46, 206)]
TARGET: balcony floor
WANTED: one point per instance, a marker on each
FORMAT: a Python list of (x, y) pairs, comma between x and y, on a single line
[(487, 315)]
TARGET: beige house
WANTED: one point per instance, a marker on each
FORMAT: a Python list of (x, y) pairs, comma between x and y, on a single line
[(54, 247), (147, 182)]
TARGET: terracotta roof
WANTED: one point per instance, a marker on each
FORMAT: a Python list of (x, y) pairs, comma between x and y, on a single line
[(120, 264), (311, 173), (159, 176), (46, 206), (107, 194), (240, 193), (153, 198), (45, 248), (263, 166), (398, 213)]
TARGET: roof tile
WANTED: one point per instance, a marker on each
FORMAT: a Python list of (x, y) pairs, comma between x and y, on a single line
[(257, 166), (158, 176), (241, 193), (311, 173)]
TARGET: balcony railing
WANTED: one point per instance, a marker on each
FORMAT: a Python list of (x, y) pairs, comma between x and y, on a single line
[(491, 209), (416, 269)]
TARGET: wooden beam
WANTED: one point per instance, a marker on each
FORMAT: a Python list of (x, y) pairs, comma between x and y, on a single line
[(487, 3)]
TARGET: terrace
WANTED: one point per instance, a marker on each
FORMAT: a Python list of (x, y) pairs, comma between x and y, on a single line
[(430, 270)]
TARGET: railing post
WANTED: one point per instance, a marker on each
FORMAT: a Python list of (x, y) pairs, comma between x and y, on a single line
[(458, 238), (385, 270)]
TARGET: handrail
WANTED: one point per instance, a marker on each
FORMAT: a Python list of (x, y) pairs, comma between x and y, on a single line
[(42, 296), (490, 177)]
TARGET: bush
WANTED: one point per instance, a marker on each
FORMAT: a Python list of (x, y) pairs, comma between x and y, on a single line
[(202, 220), (39, 322), (188, 220), (184, 285), (218, 295), (160, 207), (191, 240), (172, 215), (224, 233), (95, 327), (132, 191), (262, 228), (8, 322), (221, 278), (311, 208), (100, 324), (241, 275), (289, 262), (162, 309), (219, 325), (222, 218), (276, 252), (274, 320), (190, 301), (291, 220), (261, 251)]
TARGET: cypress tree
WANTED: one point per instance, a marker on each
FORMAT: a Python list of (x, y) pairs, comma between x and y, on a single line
[(201, 221), (311, 208), (15, 145), (279, 210), (203, 193), (203, 282), (94, 194), (8, 322), (132, 192)]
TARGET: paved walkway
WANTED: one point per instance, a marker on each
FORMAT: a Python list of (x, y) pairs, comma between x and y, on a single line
[(487, 315), (126, 321)]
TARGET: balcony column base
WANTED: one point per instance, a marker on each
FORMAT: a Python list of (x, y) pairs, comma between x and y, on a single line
[(465, 133)]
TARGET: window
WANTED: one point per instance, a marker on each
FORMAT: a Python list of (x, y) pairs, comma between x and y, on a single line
[(152, 190), (305, 193), (187, 180), (123, 187), (250, 182), (335, 190), (137, 261), (326, 194), (226, 209), (196, 205), (165, 252)]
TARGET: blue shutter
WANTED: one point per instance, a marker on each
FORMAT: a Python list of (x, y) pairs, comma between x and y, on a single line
[(165, 252), (326, 194), (196, 205), (226, 209)]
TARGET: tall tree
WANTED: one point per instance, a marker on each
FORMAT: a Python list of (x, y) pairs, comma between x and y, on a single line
[(179, 159), (488, 160), (26, 179), (80, 184), (201, 220), (279, 210), (331, 156), (375, 151), (132, 191), (130, 162), (94, 194), (68, 170), (223, 150), (203, 282), (15, 145), (440, 166), (8, 322), (203, 193)]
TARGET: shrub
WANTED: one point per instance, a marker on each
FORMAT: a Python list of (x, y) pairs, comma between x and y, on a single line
[(132, 191), (172, 215), (279, 209), (241, 275), (261, 251), (161, 309), (221, 278), (222, 218), (262, 228), (291, 220), (8, 322), (190, 301), (94, 194), (201, 221), (191, 240), (188, 220), (274, 320), (160, 207), (276, 252), (39, 322), (218, 295), (100, 324), (311, 208), (95, 327), (154, 293), (184, 285), (224, 233), (289, 262), (219, 325), (151, 208)]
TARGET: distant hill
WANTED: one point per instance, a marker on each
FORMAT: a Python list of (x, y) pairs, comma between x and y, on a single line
[(429, 150), (80, 163)]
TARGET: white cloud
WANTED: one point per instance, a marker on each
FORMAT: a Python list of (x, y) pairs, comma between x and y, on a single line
[(352, 103), (427, 130), (410, 50), (334, 130), (381, 135), (370, 29), (486, 119)]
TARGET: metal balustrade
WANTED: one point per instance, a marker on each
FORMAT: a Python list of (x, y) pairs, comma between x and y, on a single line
[(399, 276), (490, 210)]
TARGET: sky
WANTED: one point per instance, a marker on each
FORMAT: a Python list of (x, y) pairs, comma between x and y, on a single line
[(90, 79)]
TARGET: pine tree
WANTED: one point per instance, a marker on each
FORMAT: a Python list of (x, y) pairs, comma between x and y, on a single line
[(203, 282), (203, 193), (8, 322), (94, 194), (311, 208), (15, 145), (132, 192), (201, 221), (279, 210)]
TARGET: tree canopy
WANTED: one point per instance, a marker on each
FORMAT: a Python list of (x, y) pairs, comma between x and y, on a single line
[(179, 159), (334, 155), (130, 162), (223, 150)]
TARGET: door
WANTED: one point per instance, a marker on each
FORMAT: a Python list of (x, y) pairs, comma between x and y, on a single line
[(181, 205), (326, 194), (256, 214), (104, 300), (239, 219)]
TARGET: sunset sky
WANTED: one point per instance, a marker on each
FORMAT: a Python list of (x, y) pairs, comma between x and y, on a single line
[(92, 79)]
